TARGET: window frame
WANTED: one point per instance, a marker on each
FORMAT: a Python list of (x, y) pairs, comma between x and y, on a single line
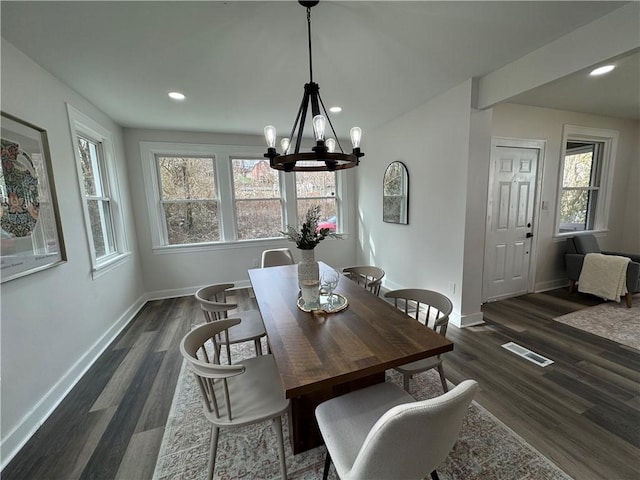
[(609, 141), (223, 156), (163, 202), (85, 127)]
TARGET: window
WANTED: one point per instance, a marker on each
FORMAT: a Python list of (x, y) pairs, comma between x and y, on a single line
[(258, 203), (585, 178), (97, 177), (209, 196), (580, 186), (318, 188), (189, 199), (96, 194)]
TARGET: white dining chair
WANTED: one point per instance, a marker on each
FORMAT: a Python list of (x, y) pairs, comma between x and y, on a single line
[(433, 310), (234, 396), (381, 432), (215, 307), (369, 276), (277, 256)]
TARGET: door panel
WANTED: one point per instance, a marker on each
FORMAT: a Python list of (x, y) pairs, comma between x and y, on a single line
[(509, 220)]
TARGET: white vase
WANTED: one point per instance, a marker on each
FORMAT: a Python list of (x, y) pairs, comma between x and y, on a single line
[(308, 268)]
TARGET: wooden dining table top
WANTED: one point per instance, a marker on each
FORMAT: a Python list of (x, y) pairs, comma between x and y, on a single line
[(317, 350)]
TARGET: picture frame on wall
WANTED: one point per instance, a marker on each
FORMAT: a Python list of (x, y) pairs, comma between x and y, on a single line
[(30, 237)]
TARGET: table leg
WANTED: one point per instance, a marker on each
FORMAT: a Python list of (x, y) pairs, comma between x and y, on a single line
[(303, 428)]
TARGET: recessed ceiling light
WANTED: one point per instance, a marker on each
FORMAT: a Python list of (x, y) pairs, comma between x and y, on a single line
[(335, 109), (177, 95), (602, 70)]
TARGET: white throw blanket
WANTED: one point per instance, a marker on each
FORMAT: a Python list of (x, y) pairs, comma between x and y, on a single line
[(604, 276)]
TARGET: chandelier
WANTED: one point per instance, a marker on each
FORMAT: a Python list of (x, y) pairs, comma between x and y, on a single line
[(322, 157)]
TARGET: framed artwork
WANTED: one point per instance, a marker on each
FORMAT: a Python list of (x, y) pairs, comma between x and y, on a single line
[(31, 238)]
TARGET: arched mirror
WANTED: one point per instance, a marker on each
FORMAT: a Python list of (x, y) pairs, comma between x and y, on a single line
[(395, 194)]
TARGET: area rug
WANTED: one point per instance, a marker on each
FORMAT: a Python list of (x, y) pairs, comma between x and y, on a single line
[(486, 448), (609, 320)]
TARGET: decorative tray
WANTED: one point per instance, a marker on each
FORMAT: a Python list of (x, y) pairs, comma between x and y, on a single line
[(337, 303)]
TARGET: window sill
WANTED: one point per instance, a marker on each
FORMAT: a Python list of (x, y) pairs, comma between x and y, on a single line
[(275, 242), (561, 237), (110, 264)]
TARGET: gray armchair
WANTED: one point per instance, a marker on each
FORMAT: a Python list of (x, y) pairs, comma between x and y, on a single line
[(579, 246)]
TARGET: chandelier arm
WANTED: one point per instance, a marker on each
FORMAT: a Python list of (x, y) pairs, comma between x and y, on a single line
[(330, 124), (293, 129), (303, 116)]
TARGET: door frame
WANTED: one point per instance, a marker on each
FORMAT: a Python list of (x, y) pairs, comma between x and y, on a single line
[(510, 142)]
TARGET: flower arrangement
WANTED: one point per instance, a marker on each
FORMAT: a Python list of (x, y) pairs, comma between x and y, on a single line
[(309, 235)]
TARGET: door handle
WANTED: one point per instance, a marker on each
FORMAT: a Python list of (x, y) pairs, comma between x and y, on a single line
[(529, 234)]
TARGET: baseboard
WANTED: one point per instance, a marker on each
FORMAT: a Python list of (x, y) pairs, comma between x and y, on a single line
[(551, 285), (468, 320), (21, 433), (184, 292)]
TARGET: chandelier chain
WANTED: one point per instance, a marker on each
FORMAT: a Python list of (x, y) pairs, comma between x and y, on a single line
[(309, 37)]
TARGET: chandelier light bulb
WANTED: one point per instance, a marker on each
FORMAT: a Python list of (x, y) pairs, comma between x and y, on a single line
[(331, 145), (284, 143), (356, 135), (318, 127), (270, 135)]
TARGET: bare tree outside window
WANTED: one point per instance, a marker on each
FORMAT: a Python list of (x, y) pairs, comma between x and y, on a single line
[(258, 202), (189, 199), (206, 195)]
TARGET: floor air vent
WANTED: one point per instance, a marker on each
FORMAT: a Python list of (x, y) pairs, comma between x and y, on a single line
[(527, 354)]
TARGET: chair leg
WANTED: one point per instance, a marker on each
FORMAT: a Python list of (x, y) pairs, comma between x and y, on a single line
[(327, 464), (434, 475), (258, 343), (629, 299), (405, 380), (277, 427), (214, 449), (443, 379), (228, 354), (572, 286)]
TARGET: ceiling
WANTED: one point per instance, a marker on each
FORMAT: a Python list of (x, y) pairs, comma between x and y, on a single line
[(243, 65)]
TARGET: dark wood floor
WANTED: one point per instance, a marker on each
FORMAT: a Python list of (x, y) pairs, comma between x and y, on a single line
[(583, 411)]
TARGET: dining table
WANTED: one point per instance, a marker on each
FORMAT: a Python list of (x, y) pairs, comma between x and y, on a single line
[(322, 354)]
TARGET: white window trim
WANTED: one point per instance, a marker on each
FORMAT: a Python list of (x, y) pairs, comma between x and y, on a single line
[(81, 124), (610, 140), (222, 155)]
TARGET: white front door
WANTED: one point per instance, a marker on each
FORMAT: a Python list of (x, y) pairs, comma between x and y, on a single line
[(509, 233)]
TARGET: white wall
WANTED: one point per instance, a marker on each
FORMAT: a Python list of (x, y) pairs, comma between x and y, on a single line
[(520, 121), (170, 274), (446, 147), (476, 220), (433, 142), (55, 322)]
